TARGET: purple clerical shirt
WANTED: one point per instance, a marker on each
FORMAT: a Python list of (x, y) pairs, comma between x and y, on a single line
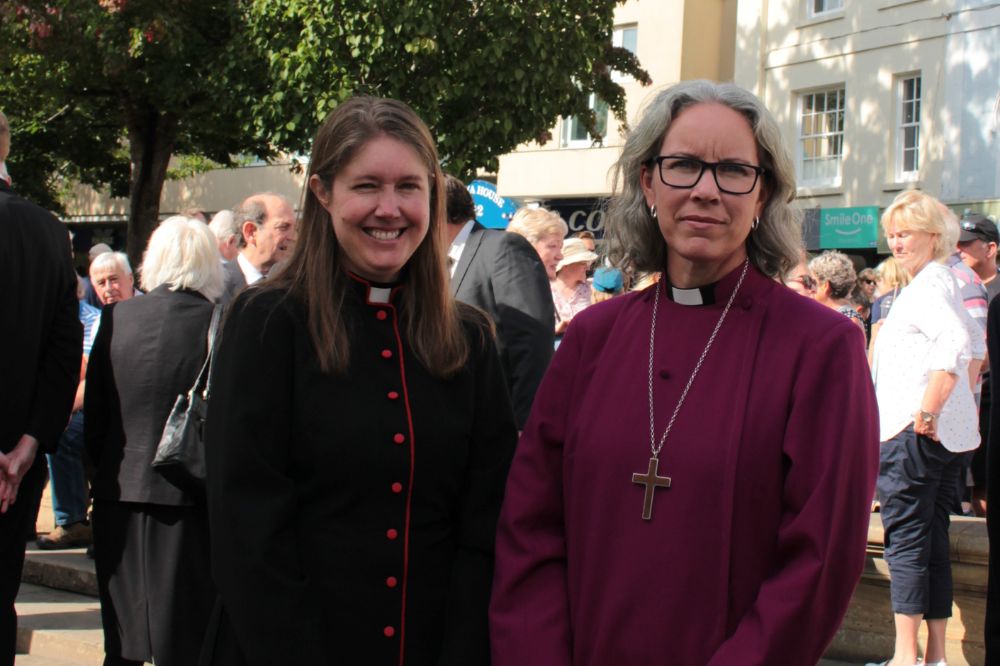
[(753, 552)]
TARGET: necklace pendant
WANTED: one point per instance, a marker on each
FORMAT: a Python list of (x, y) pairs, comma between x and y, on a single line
[(652, 482)]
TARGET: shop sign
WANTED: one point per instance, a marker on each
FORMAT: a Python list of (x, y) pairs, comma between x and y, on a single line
[(580, 214), (492, 210), (848, 227)]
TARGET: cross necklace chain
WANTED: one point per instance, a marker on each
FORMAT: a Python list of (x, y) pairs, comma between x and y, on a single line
[(651, 479)]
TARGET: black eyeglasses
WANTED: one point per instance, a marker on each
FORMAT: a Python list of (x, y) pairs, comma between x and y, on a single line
[(685, 172)]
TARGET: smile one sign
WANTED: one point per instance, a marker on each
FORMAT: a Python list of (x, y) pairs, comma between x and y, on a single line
[(848, 227)]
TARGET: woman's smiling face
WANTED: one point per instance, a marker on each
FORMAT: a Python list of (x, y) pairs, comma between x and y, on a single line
[(379, 205)]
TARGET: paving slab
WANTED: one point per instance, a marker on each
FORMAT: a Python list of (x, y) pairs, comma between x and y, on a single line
[(70, 570), (59, 624), (36, 660)]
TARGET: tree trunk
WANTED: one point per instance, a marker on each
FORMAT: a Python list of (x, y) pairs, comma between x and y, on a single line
[(151, 142)]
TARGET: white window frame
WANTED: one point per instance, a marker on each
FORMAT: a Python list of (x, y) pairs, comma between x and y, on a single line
[(618, 39), (828, 8), (814, 129), (904, 123), (569, 125)]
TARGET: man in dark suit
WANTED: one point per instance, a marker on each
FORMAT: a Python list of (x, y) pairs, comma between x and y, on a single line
[(502, 274), (40, 370), (992, 623), (267, 224)]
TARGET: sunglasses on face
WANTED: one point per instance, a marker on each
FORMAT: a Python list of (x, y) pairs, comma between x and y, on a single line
[(806, 281)]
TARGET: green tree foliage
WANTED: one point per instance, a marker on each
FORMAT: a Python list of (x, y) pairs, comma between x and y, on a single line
[(486, 75), (106, 91)]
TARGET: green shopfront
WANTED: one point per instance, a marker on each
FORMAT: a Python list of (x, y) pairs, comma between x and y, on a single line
[(849, 229)]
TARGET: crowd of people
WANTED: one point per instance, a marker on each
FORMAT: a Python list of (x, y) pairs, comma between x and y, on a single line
[(430, 442)]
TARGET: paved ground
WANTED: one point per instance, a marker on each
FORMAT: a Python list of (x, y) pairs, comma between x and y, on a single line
[(60, 622)]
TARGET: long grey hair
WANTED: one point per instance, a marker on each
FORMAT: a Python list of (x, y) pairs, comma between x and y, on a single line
[(633, 237)]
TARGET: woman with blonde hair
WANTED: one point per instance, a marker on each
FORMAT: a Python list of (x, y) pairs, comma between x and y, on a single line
[(928, 421), (360, 429), (151, 536), (545, 230), (891, 278)]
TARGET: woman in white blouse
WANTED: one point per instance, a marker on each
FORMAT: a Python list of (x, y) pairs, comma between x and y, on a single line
[(928, 421)]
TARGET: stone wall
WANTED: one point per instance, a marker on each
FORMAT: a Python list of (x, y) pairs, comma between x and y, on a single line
[(867, 633)]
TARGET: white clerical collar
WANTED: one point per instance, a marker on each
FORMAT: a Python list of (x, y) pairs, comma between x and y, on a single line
[(250, 272), (697, 296), (458, 245), (4, 175), (379, 294)]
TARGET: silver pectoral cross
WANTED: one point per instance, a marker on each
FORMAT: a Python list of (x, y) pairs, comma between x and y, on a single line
[(651, 481)]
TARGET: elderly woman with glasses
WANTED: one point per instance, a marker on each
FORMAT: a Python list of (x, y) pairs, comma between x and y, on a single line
[(676, 496)]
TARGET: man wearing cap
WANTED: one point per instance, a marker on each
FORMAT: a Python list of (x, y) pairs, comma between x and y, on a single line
[(502, 274), (978, 246)]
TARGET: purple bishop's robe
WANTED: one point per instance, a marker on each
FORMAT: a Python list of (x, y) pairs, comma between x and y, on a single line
[(753, 552)]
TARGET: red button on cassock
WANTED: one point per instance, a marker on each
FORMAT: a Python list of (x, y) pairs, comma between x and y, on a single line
[(398, 438), (381, 315), (386, 353), (392, 395), (397, 487), (389, 632), (391, 534), (391, 581)]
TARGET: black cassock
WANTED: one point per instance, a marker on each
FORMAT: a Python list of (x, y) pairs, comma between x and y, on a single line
[(353, 517)]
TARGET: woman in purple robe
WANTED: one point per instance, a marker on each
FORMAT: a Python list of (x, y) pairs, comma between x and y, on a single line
[(694, 483)]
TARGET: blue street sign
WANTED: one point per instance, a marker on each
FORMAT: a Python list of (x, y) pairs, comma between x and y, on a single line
[(492, 210)]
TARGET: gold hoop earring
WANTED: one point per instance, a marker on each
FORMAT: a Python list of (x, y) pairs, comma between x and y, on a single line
[(755, 224), (652, 211)]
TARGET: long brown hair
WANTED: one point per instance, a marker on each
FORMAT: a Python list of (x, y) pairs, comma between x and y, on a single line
[(315, 276)]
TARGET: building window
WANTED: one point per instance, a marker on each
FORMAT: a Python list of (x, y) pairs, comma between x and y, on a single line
[(626, 37), (908, 128), (821, 137), (574, 131), (818, 8)]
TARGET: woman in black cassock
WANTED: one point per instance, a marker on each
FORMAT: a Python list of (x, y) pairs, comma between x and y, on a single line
[(360, 430)]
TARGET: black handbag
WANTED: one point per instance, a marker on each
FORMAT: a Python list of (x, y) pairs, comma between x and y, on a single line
[(180, 455)]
